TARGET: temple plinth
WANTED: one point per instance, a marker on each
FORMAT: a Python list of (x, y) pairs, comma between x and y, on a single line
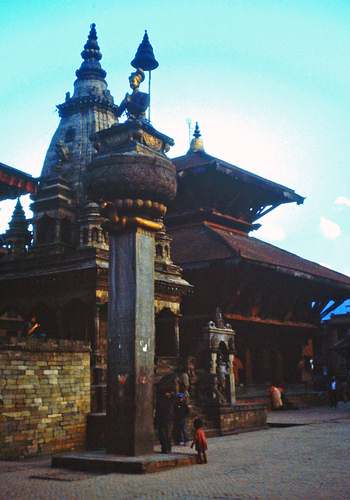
[(133, 181)]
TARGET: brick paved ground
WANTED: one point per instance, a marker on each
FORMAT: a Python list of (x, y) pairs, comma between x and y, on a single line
[(308, 461)]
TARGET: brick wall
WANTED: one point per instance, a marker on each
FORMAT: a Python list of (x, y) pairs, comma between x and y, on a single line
[(44, 396), (242, 418)]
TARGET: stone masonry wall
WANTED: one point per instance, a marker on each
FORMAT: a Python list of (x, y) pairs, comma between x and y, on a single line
[(242, 418), (44, 396)]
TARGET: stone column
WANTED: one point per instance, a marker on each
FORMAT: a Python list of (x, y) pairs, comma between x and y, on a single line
[(177, 336), (213, 359), (130, 343), (96, 332), (57, 231), (97, 386), (133, 181), (231, 358)]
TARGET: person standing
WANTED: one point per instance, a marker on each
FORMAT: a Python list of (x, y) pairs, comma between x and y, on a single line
[(34, 329), (200, 441), (164, 418), (333, 397), (184, 383), (276, 398), (181, 412)]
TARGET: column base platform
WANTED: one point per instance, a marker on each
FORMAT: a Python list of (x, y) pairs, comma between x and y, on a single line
[(100, 461)]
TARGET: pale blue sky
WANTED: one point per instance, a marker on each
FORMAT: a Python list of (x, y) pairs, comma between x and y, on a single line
[(267, 80)]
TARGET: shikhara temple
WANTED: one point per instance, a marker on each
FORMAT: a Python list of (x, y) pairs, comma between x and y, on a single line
[(233, 314)]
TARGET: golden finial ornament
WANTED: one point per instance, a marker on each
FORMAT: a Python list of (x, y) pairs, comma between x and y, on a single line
[(196, 143)]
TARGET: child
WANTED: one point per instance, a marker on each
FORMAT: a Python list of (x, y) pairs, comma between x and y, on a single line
[(200, 441)]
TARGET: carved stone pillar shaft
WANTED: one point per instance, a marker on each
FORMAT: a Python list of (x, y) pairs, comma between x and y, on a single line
[(231, 358), (177, 336), (96, 332), (130, 343), (133, 181), (97, 386), (57, 231), (213, 362)]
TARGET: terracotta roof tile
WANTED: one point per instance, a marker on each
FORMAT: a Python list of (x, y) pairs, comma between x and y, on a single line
[(200, 159), (207, 242)]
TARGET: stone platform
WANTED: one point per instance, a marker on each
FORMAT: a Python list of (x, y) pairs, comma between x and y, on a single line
[(218, 421), (99, 461)]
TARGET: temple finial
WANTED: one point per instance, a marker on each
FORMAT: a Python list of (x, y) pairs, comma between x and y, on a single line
[(93, 33), (18, 236), (144, 57), (197, 132), (91, 67), (196, 143)]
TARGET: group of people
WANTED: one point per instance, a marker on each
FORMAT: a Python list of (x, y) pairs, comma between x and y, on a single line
[(171, 415)]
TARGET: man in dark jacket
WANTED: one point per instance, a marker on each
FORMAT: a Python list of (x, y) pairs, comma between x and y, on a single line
[(164, 418)]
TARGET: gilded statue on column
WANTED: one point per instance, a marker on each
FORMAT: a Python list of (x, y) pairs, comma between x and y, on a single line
[(136, 103)]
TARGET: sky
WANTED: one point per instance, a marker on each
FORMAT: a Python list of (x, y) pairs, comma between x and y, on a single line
[(268, 81)]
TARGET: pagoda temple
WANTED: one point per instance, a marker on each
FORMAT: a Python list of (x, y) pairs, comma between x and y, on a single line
[(274, 299)]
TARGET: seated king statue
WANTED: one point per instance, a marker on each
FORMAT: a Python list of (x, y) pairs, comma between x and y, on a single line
[(135, 104)]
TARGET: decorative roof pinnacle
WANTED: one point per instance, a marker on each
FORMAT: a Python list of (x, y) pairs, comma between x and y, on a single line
[(196, 143), (18, 212), (197, 132), (91, 67), (18, 222), (18, 236), (144, 57)]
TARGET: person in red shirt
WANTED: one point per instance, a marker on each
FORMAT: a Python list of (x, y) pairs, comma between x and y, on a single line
[(200, 441), (276, 398), (34, 329)]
